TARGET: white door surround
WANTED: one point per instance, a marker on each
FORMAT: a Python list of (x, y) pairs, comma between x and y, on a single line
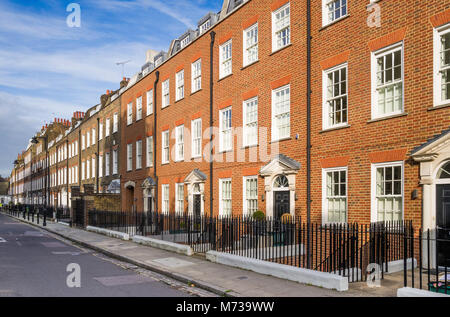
[(195, 183), (432, 156), (280, 165)]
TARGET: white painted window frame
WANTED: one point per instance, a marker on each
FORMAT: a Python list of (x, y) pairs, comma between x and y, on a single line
[(165, 94), (325, 109), (244, 194), (130, 113), (179, 82), (246, 124), (129, 157), (374, 205), (325, 12), (325, 171), (165, 195), (138, 108), (221, 201), (165, 144), (179, 201), (437, 77), (223, 131), (139, 154), (179, 143), (196, 76), (247, 48), (149, 151), (195, 138), (374, 55), (275, 30), (229, 59), (275, 134), (149, 96)]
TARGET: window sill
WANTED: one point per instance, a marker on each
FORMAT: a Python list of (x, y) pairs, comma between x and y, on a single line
[(194, 92), (225, 77), (248, 65), (196, 157), (148, 115), (388, 117), (167, 163), (335, 128), (280, 140), (181, 99), (446, 105), (280, 49), (334, 22), (165, 107), (225, 151)]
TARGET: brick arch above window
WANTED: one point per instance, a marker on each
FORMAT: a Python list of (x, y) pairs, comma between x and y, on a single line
[(387, 40)]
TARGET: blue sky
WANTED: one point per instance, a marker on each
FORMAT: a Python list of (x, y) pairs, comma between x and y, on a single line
[(49, 70)]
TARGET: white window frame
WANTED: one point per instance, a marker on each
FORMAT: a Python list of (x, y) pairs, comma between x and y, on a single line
[(196, 73), (108, 127), (129, 157), (116, 123), (83, 146), (326, 124), (93, 136), (100, 132), (275, 128), (165, 201), (326, 12), (149, 102), (225, 131), (221, 198), (196, 138), (139, 154), (93, 167), (224, 68), (165, 87), (179, 201), (88, 169), (248, 47), (165, 144), (247, 129), (245, 196), (276, 31), (374, 201), (437, 68), (179, 143), (138, 108), (88, 139), (179, 82), (205, 26), (100, 166), (184, 41), (130, 113), (107, 163), (325, 198), (115, 162), (374, 56), (149, 151)]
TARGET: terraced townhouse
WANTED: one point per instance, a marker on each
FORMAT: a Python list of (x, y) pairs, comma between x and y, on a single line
[(334, 110)]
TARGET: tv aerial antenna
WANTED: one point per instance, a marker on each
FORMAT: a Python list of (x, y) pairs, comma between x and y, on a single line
[(123, 66)]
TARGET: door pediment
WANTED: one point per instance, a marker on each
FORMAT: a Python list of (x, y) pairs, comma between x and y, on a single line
[(281, 164)]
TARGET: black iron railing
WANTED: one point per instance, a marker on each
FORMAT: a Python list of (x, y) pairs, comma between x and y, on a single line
[(429, 252), (344, 249)]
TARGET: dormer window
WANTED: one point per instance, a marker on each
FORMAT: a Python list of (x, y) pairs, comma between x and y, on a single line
[(158, 61), (184, 42), (205, 26)]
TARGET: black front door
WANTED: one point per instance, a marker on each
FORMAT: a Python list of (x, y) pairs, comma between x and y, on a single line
[(197, 206), (282, 204), (443, 224)]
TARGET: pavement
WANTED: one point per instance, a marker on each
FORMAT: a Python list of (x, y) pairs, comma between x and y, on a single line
[(196, 271), (34, 263)]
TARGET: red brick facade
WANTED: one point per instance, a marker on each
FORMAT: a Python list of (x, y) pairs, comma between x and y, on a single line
[(357, 145)]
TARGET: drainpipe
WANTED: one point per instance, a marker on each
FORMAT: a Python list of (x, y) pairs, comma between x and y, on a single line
[(308, 120), (155, 148), (211, 122)]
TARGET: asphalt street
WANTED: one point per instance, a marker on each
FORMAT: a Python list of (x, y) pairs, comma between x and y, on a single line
[(35, 263)]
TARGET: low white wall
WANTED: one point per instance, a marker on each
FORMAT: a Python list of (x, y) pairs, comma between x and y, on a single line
[(414, 292), (305, 276), (398, 266), (164, 245), (109, 233)]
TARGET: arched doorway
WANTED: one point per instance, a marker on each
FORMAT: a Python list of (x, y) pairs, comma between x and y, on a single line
[(443, 213), (129, 196), (281, 197)]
